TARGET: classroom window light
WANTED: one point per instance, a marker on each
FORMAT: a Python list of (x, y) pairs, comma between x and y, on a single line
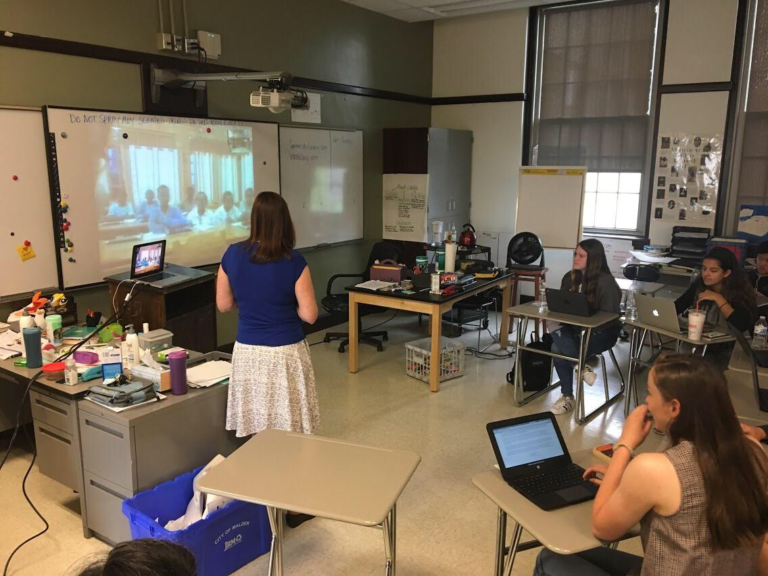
[(605, 210), (612, 200)]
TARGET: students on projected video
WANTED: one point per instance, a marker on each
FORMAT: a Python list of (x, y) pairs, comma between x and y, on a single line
[(250, 196), (228, 213), (120, 209), (164, 218), (200, 216), (142, 213), (190, 199)]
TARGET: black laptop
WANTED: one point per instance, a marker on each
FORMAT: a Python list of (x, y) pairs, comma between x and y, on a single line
[(567, 302), (534, 460)]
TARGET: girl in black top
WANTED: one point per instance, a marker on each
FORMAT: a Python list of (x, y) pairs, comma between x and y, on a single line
[(723, 292)]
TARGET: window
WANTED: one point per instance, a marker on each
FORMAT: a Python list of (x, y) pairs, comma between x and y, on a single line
[(751, 154), (592, 103)]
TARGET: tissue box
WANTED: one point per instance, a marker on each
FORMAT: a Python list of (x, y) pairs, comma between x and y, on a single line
[(160, 378), (155, 341)]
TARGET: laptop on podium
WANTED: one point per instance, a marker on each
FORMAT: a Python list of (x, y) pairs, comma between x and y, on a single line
[(534, 460), (148, 265)]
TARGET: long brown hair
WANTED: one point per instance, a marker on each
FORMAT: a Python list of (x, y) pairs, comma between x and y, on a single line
[(596, 265), (271, 228), (736, 287), (733, 468)]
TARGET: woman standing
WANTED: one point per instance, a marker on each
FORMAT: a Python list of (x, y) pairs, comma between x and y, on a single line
[(590, 275), (701, 504), (272, 383)]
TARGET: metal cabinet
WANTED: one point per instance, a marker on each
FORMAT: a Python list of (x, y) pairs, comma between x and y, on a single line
[(446, 155)]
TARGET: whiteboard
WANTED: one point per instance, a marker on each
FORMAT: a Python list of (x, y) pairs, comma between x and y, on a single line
[(102, 155), (321, 176), (550, 203), (25, 205)]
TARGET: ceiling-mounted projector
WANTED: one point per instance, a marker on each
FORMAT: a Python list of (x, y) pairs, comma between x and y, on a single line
[(278, 100)]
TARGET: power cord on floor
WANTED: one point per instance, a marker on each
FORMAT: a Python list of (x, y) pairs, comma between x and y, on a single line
[(31, 381)]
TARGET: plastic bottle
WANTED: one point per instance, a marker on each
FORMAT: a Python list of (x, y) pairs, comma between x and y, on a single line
[(133, 353), (630, 309), (26, 321), (761, 334), (70, 372), (543, 306), (177, 361), (454, 235)]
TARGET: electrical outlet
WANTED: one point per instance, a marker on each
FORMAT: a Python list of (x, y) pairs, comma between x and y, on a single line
[(191, 46), (164, 41), (178, 43)]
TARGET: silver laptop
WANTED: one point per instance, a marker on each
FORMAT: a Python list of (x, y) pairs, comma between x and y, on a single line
[(660, 313)]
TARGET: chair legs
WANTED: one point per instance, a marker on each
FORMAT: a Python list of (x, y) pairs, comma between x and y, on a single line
[(364, 338)]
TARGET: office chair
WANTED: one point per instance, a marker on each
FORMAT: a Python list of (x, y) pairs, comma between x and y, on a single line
[(339, 303), (761, 396)]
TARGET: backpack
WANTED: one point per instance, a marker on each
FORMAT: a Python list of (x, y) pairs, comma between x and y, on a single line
[(537, 368)]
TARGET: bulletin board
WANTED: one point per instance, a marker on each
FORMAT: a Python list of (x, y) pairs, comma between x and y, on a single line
[(687, 178), (550, 203), (25, 208)]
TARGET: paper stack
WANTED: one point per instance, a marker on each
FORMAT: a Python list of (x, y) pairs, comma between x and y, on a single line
[(208, 373)]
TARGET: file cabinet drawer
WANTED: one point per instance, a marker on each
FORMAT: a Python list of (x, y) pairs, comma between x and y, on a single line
[(59, 413), (107, 450), (58, 457), (105, 513)]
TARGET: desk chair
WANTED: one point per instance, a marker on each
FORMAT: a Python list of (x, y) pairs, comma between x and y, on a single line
[(761, 396), (339, 303), (522, 251)]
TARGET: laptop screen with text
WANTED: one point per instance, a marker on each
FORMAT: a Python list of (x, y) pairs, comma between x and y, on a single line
[(528, 442)]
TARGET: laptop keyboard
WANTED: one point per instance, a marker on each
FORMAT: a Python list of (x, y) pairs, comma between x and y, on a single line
[(550, 481), (156, 277)]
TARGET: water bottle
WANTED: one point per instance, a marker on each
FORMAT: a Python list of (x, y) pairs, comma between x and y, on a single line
[(630, 311), (761, 334), (543, 298)]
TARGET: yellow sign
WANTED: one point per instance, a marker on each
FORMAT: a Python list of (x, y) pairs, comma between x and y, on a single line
[(541, 171), (575, 172), (25, 252)]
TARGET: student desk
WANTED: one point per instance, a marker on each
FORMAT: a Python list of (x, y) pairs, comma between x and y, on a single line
[(524, 312), (318, 476), (742, 388), (424, 303), (636, 343), (108, 456), (565, 531)]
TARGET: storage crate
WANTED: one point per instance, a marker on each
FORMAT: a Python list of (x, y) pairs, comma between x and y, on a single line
[(418, 359), (227, 540)]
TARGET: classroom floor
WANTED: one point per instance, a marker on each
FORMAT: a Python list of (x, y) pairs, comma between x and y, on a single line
[(446, 526)]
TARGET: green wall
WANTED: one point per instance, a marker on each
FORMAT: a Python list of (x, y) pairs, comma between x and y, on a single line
[(320, 39)]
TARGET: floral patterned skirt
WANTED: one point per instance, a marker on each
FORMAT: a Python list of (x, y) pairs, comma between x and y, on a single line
[(272, 387)]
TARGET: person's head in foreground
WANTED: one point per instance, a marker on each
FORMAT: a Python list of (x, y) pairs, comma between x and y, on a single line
[(144, 557)]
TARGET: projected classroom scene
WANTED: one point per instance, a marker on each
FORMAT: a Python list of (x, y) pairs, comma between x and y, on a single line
[(176, 182)]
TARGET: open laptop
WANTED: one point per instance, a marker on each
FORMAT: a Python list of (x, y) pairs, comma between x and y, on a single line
[(534, 460), (567, 302), (660, 313), (148, 265)]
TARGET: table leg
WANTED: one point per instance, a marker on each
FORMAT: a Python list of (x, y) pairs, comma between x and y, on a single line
[(632, 367), (517, 392), (353, 335), (583, 343), (501, 542), (276, 552), (389, 528), (393, 537), (435, 364), (516, 534), (504, 332)]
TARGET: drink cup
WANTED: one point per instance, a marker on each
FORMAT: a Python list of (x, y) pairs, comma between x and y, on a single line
[(695, 324)]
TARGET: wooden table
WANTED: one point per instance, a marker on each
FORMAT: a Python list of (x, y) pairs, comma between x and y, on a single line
[(424, 302), (318, 476)]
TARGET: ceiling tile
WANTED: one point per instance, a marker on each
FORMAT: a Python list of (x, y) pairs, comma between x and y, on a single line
[(412, 15), (429, 3)]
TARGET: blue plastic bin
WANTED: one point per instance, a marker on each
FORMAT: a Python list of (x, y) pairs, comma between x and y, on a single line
[(227, 540)]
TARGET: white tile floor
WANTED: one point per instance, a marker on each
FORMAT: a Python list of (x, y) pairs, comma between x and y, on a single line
[(445, 525)]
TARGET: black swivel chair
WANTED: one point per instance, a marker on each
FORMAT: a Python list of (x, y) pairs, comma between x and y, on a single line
[(339, 303)]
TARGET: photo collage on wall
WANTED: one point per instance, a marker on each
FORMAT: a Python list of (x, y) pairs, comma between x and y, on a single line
[(687, 178)]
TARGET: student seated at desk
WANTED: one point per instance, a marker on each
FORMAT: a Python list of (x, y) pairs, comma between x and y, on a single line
[(723, 292), (590, 275), (702, 504), (758, 277)]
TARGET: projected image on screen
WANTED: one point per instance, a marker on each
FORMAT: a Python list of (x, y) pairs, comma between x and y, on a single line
[(189, 184), (148, 259)]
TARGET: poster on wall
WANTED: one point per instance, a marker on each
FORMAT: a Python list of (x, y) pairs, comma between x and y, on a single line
[(687, 177), (405, 207)]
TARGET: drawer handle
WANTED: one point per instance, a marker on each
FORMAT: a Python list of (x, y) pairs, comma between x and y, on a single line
[(54, 436), (107, 490), (50, 407), (103, 428)]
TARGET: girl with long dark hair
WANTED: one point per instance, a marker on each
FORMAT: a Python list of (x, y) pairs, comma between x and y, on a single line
[(723, 292), (701, 504), (590, 275), (272, 383)]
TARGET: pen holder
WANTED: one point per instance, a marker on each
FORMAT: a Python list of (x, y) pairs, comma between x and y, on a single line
[(178, 364), (93, 321)]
